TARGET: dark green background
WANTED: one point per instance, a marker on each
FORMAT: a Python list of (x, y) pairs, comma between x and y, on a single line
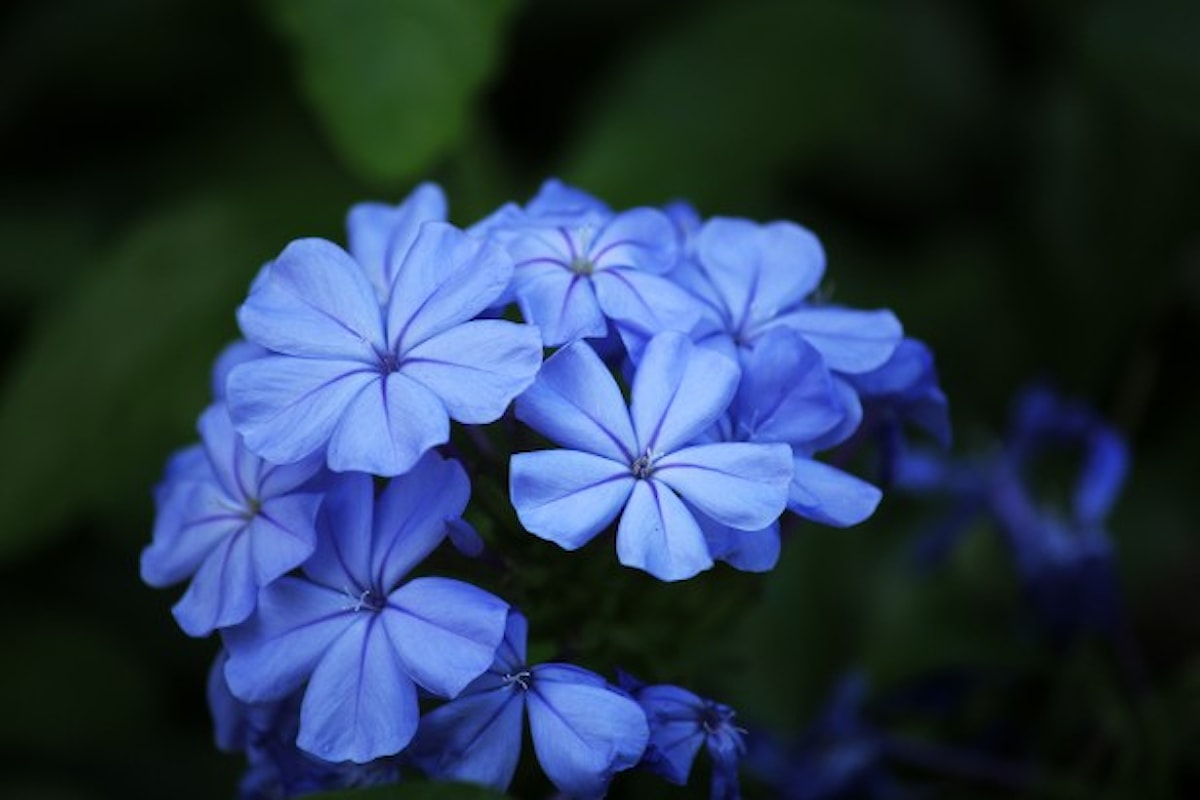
[(1019, 181)]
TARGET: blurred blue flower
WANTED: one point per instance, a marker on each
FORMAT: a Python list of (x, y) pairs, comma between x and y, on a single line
[(231, 522), (359, 634), (639, 462), (583, 730), (1064, 556), (371, 359), (838, 756)]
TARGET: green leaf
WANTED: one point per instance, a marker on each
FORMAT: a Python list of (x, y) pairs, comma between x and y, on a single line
[(415, 790), (392, 82), (734, 95), (115, 375)]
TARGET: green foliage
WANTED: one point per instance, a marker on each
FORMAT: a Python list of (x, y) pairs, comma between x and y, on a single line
[(393, 83)]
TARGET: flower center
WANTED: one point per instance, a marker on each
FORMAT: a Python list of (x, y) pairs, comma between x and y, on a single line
[(643, 465), (714, 718), (581, 265), (253, 506), (388, 363), (366, 600), (521, 679)]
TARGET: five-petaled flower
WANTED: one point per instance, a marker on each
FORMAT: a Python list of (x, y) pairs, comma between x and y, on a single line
[(639, 461), (360, 635)]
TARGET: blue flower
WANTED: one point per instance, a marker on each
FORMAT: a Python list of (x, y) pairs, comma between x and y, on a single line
[(680, 722), (639, 461), (357, 632), (583, 729), (230, 521), (787, 395), (369, 363), (266, 733), (578, 266), (752, 278)]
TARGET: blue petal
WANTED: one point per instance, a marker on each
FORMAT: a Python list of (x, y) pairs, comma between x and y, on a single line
[(826, 494), (852, 416), (510, 656), (387, 426), (465, 538), (583, 730), (556, 197), (759, 270), (642, 238), (1102, 475), (659, 535), (275, 651), (742, 485), (648, 303), (238, 352), (786, 393), (283, 535), (678, 391), (287, 408), (379, 236), (359, 704), (567, 496), (576, 403), (222, 592), (446, 632), (561, 303), (675, 733), (191, 520), (342, 559), (477, 368), (850, 341), (411, 514), (314, 301), (476, 738), (749, 551), (235, 467), (446, 279)]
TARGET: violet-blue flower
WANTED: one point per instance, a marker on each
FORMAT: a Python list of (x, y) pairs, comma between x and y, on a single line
[(360, 635), (752, 278), (370, 372), (230, 521), (578, 266), (639, 462), (680, 723), (583, 729)]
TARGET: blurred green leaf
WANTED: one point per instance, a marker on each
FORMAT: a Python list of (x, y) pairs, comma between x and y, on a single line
[(415, 790), (392, 82), (120, 367), (732, 97)]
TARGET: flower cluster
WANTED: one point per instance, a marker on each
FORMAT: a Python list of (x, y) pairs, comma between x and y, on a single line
[(697, 375)]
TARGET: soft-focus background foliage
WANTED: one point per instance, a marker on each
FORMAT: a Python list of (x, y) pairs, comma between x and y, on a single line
[(1020, 181)]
